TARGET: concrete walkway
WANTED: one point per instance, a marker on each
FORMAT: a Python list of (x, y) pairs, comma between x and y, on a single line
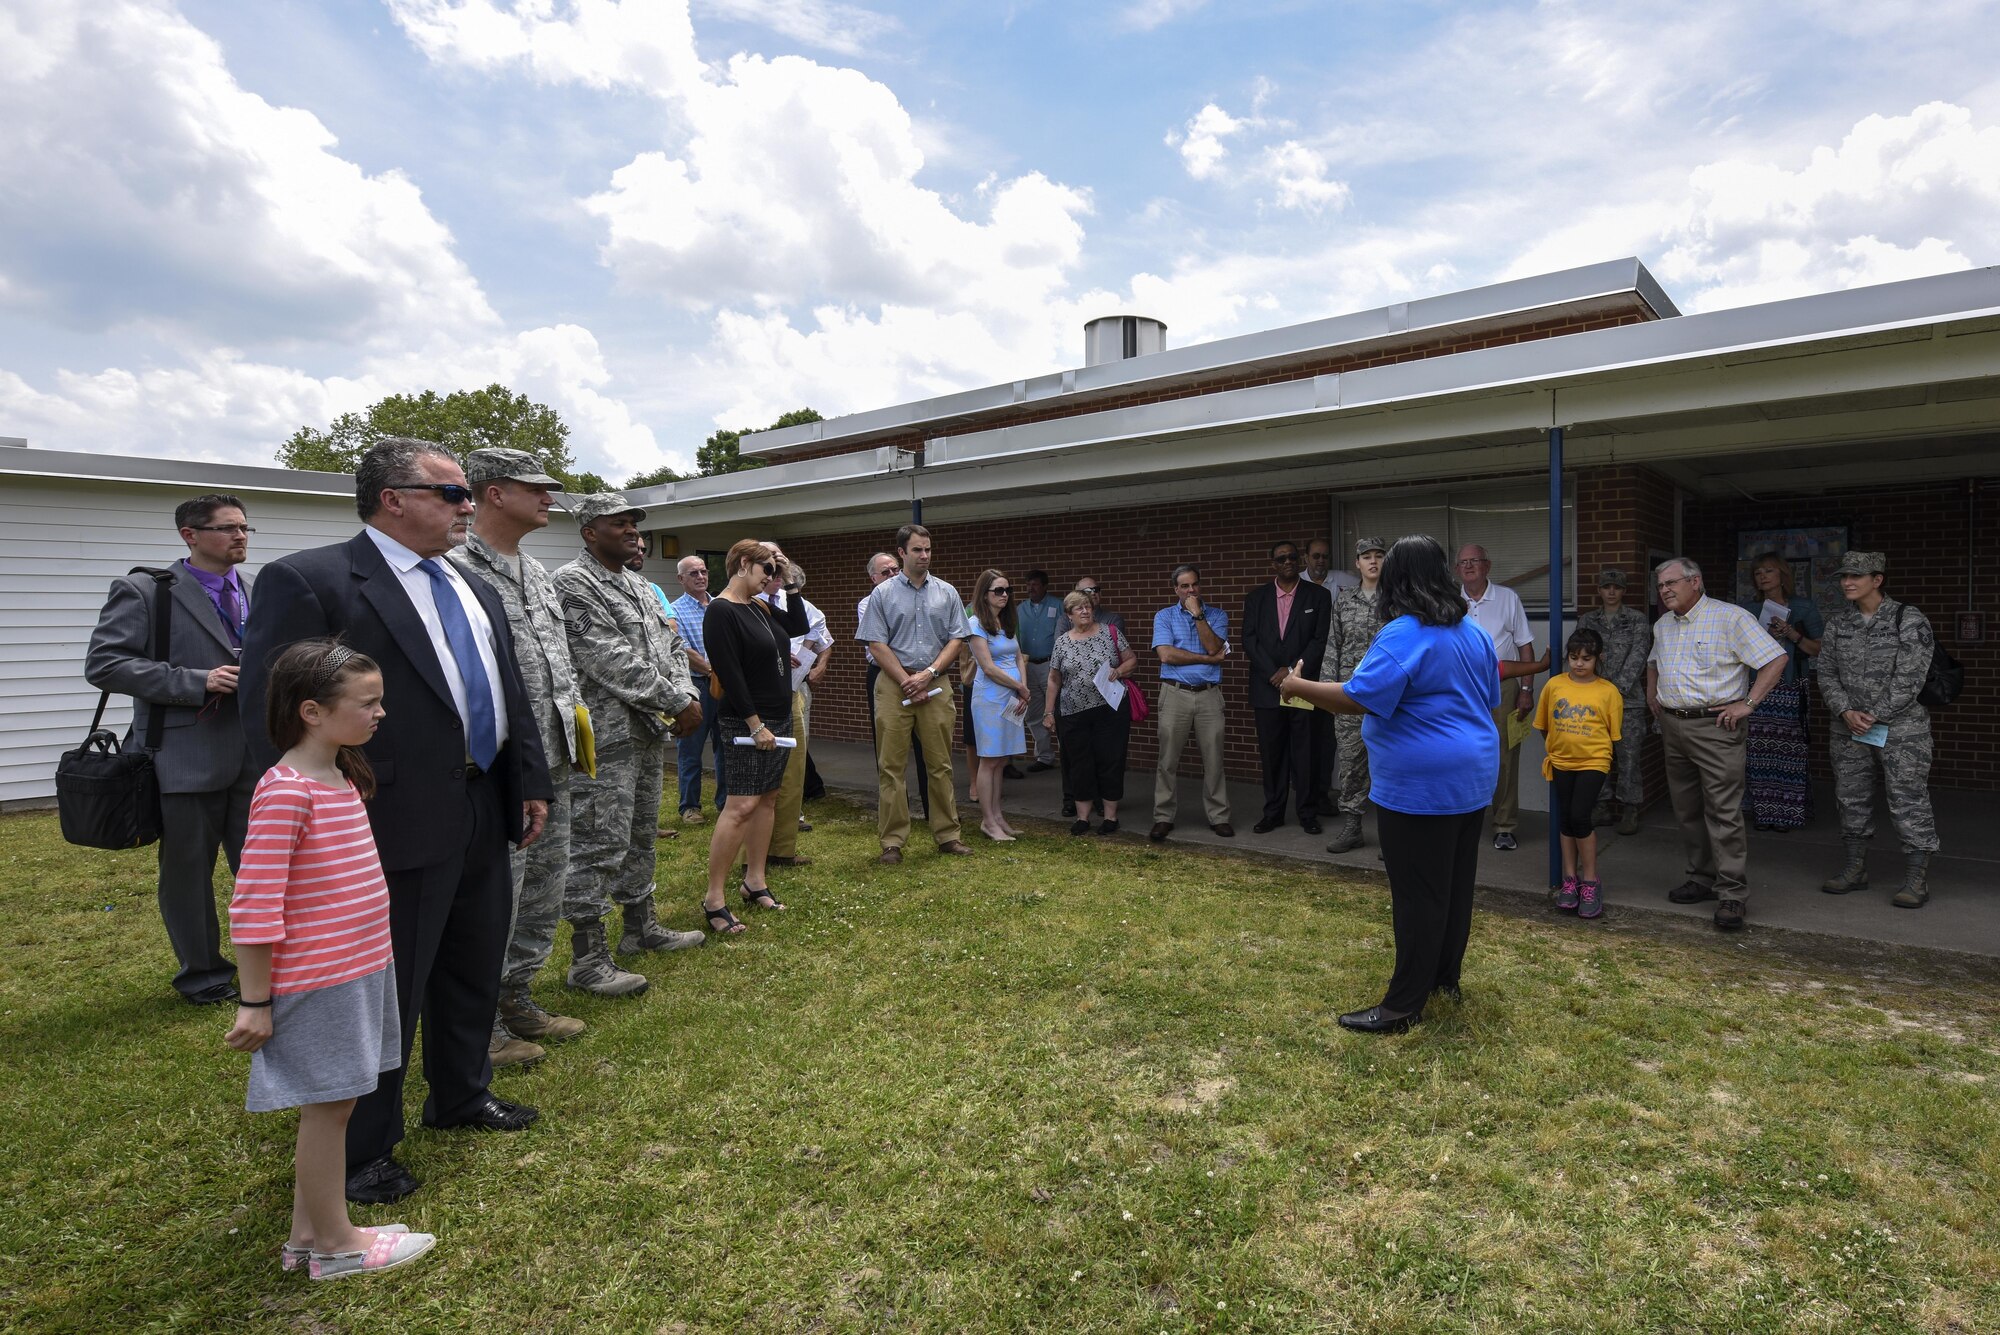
[(1637, 871)]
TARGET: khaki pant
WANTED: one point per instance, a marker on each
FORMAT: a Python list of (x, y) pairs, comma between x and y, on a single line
[(931, 724), (1182, 712), (1507, 788), (1705, 777), (792, 792)]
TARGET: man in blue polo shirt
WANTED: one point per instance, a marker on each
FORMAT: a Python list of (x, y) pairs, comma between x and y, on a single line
[(1190, 639), (1040, 617)]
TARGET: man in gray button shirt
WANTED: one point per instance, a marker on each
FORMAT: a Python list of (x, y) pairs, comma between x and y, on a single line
[(914, 626)]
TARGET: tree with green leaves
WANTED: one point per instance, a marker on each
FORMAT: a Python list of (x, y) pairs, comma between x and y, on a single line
[(462, 421), (652, 478), (720, 452)]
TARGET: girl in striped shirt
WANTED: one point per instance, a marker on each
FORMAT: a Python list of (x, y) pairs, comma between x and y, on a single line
[(310, 922)]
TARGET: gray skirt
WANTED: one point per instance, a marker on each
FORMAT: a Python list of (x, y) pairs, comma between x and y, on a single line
[(748, 771), (329, 1044)]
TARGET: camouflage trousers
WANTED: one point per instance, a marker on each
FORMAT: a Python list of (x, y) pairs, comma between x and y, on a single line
[(1350, 778), (613, 827), (540, 873), (1906, 777), (1626, 783)]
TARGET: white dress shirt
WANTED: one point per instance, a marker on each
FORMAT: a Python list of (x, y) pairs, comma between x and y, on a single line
[(417, 585)]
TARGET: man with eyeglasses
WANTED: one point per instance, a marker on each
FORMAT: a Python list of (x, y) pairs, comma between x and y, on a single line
[(1285, 622), (459, 774), (1499, 613), (202, 763), (1039, 614), (689, 752), (636, 683), (1700, 687), (1190, 638)]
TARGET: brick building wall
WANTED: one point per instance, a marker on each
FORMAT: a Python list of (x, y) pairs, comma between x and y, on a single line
[(1942, 541), (1625, 514)]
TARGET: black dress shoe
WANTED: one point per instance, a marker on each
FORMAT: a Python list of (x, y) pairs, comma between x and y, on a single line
[(1691, 892), (380, 1181), (215, 994), (1310, 825), (1068, 809), (1013, 771), (495, 1114), (1224, 830), (1376, 1020), (1265, 826)]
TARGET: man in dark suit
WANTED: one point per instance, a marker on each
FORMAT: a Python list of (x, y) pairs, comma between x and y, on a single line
[(203, 765), (459, 773), (1285, 622)]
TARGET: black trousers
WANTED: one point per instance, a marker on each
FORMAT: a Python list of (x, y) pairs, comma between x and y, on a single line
[(193, 828), (448, 924), (916, 747), (1093, 754), (1323, 746), (1284, 745), (1432, 862), (1576, 797)]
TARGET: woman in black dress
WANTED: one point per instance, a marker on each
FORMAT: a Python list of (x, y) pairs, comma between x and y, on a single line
[(749, 655)]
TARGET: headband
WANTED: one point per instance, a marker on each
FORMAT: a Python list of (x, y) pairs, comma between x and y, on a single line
[(329, 668)]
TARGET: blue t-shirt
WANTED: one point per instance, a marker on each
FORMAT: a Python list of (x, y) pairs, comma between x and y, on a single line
[(1430, 693)]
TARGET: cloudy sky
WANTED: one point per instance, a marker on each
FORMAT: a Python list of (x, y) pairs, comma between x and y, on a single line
[(221, 221)]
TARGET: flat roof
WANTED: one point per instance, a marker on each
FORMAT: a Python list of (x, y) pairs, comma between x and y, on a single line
[(1593, 288)]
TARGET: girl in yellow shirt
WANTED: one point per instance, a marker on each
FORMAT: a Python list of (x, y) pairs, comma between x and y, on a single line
[(1580, 715)]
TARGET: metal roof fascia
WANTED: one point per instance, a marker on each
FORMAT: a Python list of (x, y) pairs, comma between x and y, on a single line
[(1859, 311), (1609, 278), (210, 476)]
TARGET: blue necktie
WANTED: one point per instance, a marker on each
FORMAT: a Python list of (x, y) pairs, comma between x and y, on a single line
[(481, 736)]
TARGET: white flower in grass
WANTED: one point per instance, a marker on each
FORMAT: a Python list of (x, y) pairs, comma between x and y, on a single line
[(1128, 1216)]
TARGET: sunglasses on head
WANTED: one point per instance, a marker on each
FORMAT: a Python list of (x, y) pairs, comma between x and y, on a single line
[(453, 493)]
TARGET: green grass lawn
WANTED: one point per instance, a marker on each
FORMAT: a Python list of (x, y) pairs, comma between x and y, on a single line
[(1067, 1085)]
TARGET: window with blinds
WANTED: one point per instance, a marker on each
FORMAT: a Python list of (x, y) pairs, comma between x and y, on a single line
[(1510, 520)]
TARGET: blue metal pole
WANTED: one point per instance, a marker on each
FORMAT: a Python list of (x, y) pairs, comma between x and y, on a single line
[(1558, 590)]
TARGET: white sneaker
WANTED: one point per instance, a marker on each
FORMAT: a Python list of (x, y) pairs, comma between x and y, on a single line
[(385, 1251)]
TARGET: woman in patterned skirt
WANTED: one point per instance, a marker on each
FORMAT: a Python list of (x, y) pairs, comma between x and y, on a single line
[(1777, 793)]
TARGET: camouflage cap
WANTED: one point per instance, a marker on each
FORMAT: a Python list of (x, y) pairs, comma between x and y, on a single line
[(496, 465), (1863, 563), (1363, 546), (592, 507), (1612, 575)]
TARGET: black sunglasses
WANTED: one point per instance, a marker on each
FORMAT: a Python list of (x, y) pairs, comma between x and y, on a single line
[(1285, 558), (453, 493), (770, 568), (1002, 589)]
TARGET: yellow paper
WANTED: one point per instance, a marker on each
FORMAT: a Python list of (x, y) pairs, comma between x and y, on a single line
[(1297, 702), (1518, 727), (586, 743)]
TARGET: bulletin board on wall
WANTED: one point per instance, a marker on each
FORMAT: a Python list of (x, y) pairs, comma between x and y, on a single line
[(1813, 553)]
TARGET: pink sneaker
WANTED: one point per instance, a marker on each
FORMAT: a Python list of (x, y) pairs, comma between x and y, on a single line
[(1566, 897), (1589, 899), (385, 1251), (291, 1258)]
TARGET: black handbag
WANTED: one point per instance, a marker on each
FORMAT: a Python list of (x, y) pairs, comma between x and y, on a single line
[(108, 797)]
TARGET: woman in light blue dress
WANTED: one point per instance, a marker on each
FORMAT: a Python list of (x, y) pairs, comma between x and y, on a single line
[(999, 696)]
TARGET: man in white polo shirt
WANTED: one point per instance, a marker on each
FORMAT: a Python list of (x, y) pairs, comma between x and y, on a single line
[(1499, 613)]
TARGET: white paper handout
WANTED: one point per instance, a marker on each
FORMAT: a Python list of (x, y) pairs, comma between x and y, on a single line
[(1775, 612), (1015, 710), (1112, 691), (807, 656), (935, 690), (783, 743)]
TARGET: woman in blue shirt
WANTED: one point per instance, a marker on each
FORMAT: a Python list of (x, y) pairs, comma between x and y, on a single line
[(1427, 687)]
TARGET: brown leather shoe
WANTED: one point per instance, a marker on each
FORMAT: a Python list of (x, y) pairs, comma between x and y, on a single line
[(1729, 915), (798, 860), (956, 848), (891, 857), (692, 816), (1160, 831), (667, 832), (1226, 830)]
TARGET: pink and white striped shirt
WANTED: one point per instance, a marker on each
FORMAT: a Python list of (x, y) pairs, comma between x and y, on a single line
[(310, 884)]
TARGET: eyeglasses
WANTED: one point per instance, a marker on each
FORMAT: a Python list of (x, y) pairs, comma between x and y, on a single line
[(222, 528), (1285, 559), (1474, 564), (770, 568), (1001, 589), (1678, 579), (451, 492)]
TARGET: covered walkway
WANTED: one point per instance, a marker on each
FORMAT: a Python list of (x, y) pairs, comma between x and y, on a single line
[(1785, 869)]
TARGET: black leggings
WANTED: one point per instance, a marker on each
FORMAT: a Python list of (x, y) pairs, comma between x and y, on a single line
[(1432, 862), (1576, 798)]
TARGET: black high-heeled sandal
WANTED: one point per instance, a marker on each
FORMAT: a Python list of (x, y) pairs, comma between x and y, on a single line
[(761, 898), (723, 921)]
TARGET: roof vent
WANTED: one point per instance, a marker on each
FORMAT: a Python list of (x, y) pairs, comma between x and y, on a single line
[(1116, 338), (14, 442)]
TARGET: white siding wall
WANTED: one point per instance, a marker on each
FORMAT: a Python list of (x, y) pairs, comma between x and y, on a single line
[(62, 542)]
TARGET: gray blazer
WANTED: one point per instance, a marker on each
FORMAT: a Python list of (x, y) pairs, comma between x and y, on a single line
[(199, 752)]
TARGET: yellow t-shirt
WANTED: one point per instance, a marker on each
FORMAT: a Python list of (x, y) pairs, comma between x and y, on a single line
[(1579, 721)]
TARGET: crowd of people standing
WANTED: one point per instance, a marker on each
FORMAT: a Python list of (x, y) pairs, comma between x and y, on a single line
[(476, 745)]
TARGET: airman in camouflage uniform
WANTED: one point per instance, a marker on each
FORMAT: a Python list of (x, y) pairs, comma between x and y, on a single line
[(1872, 663), (1357, 616), (1628, 639), (519, 506), (634, 674)]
